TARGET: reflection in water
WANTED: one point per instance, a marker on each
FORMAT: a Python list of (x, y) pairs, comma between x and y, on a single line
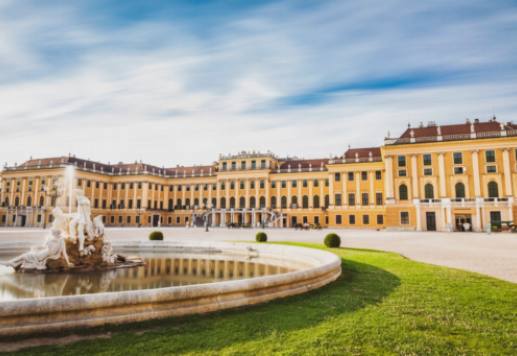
[(158, 272)]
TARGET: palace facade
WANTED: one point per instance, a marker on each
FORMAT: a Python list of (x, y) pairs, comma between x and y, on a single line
[(446, 178)]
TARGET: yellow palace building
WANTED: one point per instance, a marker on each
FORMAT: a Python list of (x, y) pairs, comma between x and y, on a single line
[(446, 178)]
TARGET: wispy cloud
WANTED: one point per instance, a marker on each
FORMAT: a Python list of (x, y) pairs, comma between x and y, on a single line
[(181, 83)]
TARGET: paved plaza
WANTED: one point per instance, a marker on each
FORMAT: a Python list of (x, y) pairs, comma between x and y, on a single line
[(491, 254)]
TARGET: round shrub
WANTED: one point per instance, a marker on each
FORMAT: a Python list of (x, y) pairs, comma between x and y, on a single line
[(261, 236), (332, 240), (156, 236)]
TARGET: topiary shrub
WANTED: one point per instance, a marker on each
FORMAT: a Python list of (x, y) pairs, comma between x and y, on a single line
[(261, 236), (156, 236), (332, 240)]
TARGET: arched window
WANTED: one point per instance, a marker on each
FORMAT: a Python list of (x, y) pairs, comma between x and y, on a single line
[(6, 202), (253, 202), (493, 190), (459, 189), (273, 202), (41, 201), (316, 201), (187, 202), (305, 202), (223, 203), (178, 204), (262, 202), (327, 201), (294, 201), (242, 202), (232, 203), (205, 202), (283, 202), (171, 203), (16, 201), (29, 201), (196, 202), (403, 192), (214, 203), (429, 191)]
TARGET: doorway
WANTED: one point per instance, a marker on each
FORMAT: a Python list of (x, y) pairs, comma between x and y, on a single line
[(495, 219), (463, 222), (156, 220), (430, 219)]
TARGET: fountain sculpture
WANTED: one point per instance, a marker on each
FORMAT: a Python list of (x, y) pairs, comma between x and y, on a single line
[(75, 243)]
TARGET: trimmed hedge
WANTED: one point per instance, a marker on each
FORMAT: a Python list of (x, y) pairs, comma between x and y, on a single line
[(332, 240), (261, 236), (156, 236)]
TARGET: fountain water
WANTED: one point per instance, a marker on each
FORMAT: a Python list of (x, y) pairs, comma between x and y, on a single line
[(69, 182)]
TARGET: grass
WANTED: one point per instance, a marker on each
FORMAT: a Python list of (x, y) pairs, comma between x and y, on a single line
[(382, 304)]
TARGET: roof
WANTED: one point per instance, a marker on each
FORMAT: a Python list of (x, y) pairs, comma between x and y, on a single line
[(303, 163), (467, 130), (363, 153)]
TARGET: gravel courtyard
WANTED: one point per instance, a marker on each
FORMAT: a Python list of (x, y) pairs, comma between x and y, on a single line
[(491, 254)]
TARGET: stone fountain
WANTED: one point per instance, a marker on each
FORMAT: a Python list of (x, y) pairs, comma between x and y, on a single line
[(75, 242)]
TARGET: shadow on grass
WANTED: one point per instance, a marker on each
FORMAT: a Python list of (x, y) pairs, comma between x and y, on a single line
[(360, 285)]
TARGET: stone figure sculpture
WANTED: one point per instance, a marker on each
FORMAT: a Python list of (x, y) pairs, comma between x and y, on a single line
[(37, 257), (60, 253), (81, 221)]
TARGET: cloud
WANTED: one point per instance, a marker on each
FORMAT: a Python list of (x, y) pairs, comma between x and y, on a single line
[(169, 87)]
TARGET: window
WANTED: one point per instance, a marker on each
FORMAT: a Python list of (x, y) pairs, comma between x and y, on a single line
[(429, 191), (490, 156), (351, 199), (294, 202), (241, 184), (366, 219), (459, 170), (315, 183), (252, 184), (234, 165), (283, 202), (337, 199), (305, 202), (458, 157), (380, 219), (273, 202), (327, 201), (493, 190), (263, 163), (284, 184), (338, 220), (273, 184), (459, 189), (242, 202), (326, 182), (350, 176), (337, 176), (243, 164), (491, 169), (364, 175), (351, 219), (404, 218), (401, 161), (262, 184), (252, 202), (253, 164), (402, 173), (316, 202), (364, 199), (304, 183), (378, 198), (293, 184), (378, 175), (403, 192), (428, 171), (224, 166), (427, 159)]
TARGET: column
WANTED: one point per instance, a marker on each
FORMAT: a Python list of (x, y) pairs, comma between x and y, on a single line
[(331, 189), (299, 193), (414, 177), (388, 181), (268, 199), (310, 183), (227, 193), (372, 190), (507, 173), (209, 204), (441, 175), (418, 215), (358, 188), (217, 195), (475, 169), (344, 193)]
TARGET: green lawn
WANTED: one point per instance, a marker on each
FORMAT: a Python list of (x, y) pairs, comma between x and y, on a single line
[(382, 304)]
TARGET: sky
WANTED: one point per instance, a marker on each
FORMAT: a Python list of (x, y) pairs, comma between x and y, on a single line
[(180, 82)]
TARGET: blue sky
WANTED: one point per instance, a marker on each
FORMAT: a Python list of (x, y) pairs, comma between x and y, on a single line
[(178, 82)]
